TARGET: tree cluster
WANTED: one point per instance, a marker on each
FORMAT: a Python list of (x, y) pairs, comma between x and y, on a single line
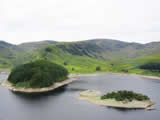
[(38, 74), (151, 66), (124, 95)]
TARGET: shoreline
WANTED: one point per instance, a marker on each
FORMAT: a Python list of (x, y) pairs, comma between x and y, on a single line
[(99, 73), (119, 104), (102, 73), (10, 86), (72, 77)]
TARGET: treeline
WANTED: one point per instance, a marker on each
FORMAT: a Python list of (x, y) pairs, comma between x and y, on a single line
[(151, 66), (37, 74), (124, 95)]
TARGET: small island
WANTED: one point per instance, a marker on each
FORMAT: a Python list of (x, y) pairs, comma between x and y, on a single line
[(38, 76), (119, 99)]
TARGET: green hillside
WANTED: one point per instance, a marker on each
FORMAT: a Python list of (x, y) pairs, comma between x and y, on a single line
[(111, 50), (74, 63), (147, 59), (30, 46), (8, 53), (96, 55), (13, 55)]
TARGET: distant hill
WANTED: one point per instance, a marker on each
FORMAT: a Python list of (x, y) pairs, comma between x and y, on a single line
[(117, 50), (109, 49), (110, 55), (8, 52), (30, 46), (74, 63), (17, 54), (93, 50)]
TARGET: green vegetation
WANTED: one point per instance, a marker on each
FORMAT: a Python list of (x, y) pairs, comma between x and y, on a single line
[(4, 63), (98, 68), (148, 59), (125, 96), (72, 69), (48, 49), (85, 56), (151, 66), (147, 65), (65, 63), (31, 46), (37, 74), (73, 63), (121, 66)]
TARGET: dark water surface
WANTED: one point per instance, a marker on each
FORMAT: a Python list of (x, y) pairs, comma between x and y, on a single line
[(62, 104)]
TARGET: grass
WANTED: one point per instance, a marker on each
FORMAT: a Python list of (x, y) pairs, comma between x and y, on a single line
[(75, 64), (83, 63)]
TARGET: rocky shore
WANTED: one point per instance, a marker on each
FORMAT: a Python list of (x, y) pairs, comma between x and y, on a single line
[(93, 96), (11, 87)]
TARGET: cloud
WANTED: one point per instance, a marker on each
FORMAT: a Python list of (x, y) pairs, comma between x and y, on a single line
[(71, 20)]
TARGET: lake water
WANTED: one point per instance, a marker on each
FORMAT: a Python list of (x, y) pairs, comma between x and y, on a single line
[(63, 104)]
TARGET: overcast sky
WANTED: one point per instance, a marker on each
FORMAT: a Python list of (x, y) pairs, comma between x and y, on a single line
[(72, 20)]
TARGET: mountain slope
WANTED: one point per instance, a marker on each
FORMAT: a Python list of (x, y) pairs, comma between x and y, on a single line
[(30, 46), (109, 49), (7, 50), (8, 53), (92, 51), (117, 50), (148, 59), (74, 63)]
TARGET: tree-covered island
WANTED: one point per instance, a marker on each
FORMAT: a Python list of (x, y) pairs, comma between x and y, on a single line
[(37, 76), (119, 99)]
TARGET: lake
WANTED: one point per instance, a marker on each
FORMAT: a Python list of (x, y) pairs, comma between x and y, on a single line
[(62, 104)]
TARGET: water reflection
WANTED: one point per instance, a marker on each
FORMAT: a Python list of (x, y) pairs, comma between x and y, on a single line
[(123, 109), (75, 89), (37, 96)]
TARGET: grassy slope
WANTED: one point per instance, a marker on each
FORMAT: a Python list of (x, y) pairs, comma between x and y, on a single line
[(87, 63), (81, 64), (6, 55), (85, 56), (30, 46), (12, 55), (4, 63), (147, 59)]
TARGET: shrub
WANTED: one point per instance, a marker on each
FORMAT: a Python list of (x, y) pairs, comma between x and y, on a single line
[(125, 95), (112, 64), (4, 63), (65, 63), (125, 70), (38, 74), (98, 68), (48, 49)]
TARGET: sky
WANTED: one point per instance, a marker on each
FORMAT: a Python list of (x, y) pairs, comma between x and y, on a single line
[(73, 20)]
